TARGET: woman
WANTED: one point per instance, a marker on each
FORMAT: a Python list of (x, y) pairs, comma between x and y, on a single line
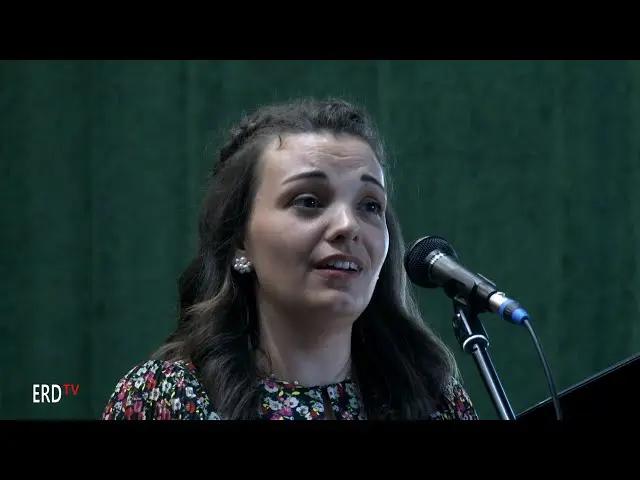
[(296, 305)]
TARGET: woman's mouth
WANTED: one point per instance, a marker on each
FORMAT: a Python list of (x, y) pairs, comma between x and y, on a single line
[(339, 268)]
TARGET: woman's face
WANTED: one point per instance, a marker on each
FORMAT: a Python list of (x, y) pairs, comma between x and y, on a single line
[(317, 235)]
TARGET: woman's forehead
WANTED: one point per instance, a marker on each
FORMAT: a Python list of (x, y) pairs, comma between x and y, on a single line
[(299, 152)]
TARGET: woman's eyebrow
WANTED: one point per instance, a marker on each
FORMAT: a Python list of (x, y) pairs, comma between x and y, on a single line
[(319, 174)]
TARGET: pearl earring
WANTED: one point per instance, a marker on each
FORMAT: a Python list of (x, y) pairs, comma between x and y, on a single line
[(242, 265)]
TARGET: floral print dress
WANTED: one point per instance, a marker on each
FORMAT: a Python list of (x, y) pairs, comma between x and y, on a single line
[(157, 390)]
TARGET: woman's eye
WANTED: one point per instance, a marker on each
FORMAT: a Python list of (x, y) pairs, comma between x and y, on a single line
[(306, 201), (374, 207)]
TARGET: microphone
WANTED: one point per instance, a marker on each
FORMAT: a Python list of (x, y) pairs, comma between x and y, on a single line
[(432, 263)]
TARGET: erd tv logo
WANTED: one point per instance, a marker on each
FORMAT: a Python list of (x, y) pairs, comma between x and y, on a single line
[(44, 393)]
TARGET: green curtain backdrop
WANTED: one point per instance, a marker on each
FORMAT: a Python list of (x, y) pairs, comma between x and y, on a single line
[(531, 169)]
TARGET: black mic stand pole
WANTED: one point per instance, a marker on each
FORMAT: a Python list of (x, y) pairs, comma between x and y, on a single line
[(473, 340)]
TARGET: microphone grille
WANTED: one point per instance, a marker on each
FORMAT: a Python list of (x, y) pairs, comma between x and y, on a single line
[(414, 259)]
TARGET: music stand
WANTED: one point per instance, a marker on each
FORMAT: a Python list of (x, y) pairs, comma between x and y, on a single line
[(590, 398)]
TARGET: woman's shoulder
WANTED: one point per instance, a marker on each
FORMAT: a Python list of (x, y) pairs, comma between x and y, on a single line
[(455, 404), (159, 390)]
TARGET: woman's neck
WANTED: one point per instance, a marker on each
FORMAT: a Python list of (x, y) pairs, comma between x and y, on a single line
[(303, 351)]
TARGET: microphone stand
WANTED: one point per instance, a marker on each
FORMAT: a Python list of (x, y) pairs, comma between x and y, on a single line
[(473, 340)]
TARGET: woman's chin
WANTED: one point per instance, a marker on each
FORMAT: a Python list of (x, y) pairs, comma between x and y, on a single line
[(339, 303)]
